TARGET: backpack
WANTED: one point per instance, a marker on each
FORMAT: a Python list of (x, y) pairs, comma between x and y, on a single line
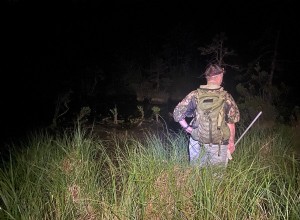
[(210, 125)]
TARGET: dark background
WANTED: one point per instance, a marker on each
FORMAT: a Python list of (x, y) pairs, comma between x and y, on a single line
[(46, 45)]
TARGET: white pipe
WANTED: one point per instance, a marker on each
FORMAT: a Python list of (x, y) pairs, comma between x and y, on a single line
[(228, 152)]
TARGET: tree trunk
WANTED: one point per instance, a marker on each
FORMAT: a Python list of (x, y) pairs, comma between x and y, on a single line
[(273, 67)]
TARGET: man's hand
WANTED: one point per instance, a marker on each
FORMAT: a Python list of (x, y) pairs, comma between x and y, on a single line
[(231, 146), (189, 130), (185, 126)]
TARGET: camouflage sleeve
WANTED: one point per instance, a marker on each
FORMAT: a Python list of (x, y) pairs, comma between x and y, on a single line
[(233, 113), (185, 108)]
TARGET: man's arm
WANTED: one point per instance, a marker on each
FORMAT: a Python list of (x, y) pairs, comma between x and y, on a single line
[(231, 146), (185, 125), (184, 109), (233, 116)]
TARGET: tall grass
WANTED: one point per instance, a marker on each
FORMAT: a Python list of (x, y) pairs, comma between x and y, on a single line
[(79, 176)]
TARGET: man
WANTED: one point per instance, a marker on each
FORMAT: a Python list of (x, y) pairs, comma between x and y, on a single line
[(211, 135)]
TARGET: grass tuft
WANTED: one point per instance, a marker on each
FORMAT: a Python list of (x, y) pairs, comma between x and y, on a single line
[(77, 176)]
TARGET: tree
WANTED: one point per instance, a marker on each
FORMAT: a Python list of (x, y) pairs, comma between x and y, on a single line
[(273, 67), (217, 51)]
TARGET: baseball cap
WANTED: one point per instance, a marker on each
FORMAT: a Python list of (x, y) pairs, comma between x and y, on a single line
[(213, 70)]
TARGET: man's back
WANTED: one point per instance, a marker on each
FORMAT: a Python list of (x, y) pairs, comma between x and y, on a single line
[(209, 123)]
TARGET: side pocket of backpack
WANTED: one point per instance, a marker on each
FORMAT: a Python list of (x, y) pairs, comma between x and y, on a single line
[(195, 134)]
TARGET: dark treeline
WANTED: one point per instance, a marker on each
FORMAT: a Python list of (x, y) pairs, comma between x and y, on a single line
[(95, 55)]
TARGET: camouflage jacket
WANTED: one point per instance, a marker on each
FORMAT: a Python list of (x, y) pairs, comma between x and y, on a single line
[(187, 107)]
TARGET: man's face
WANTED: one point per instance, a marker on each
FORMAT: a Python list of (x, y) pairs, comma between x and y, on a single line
[(219, 79)]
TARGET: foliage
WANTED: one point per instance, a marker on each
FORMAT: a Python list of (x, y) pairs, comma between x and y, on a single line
[(141, 110), (217, 51), (114, 112), (251, 105), (61, 108), (156, 77), (76, 176), (253, 96), (156, 111), (84, 112)]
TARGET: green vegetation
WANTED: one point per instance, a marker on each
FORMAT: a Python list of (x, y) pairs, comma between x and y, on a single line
[(114, 111), (79, 176), (156, 110)]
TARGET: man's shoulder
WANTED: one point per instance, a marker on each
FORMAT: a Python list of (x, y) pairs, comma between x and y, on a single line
[(193, 92), (212, 89)]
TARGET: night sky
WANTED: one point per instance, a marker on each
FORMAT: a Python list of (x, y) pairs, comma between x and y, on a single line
[(48, 44)]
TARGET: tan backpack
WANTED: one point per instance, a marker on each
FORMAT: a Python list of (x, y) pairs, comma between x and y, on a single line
[(210, 117)]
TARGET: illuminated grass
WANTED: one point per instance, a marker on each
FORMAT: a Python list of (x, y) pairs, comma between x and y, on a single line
[(78, 176)]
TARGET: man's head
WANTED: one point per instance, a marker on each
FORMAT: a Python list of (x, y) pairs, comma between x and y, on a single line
[(214, 74)]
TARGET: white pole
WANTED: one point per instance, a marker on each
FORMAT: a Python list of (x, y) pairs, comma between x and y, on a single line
[(228, 152), (248, 128)]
